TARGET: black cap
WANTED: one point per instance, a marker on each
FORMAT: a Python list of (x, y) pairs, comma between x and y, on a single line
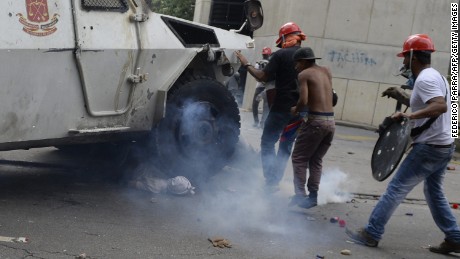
[(304, 53)]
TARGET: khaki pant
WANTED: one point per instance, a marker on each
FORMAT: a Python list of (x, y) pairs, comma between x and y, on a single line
[(313, 140)]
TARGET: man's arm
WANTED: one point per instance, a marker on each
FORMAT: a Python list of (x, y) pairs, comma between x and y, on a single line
[(436, 106), (259, 75), (303, 93), (398, 94)]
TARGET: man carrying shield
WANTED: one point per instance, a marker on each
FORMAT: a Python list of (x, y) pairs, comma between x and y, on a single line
[(432, 149)]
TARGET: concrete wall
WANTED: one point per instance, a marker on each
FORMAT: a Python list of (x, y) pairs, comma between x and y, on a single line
[(202, 11), (359, 40)]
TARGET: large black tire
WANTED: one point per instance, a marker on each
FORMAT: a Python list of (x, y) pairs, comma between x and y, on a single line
[(200, 130)]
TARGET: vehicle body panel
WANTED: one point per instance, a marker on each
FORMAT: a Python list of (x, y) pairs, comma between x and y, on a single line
[(80, 77)]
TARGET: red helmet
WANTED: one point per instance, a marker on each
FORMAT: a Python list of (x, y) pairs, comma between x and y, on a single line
[(417, 42), (266, 51), (286, 29)]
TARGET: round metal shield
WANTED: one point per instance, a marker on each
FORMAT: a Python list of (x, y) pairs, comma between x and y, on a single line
[(389, 149)]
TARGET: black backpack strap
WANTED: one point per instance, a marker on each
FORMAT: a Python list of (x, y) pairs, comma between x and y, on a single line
[(418, 130)]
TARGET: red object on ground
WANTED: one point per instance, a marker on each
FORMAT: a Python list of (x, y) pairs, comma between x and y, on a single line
[(342, 223), (455, 206)]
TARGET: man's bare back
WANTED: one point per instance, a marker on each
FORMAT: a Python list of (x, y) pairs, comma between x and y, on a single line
[(316, 132), (315, 83)]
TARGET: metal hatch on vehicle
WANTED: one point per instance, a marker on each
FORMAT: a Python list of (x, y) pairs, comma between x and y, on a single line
[(107, 53)]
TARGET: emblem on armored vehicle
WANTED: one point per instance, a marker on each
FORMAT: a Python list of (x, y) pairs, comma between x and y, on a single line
[(38, 22)]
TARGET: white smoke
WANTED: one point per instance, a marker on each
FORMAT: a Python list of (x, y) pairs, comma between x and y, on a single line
[(235, 198), (234, 204), (334, 187)]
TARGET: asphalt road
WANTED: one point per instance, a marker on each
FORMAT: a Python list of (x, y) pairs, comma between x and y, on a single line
[(65, 210)]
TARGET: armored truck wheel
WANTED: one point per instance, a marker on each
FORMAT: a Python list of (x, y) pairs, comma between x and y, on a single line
[(200, 130)]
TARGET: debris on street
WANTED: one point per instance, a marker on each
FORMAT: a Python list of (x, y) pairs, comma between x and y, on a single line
[(81, 256), (334, 219), (345, 252), (450, 167), (409, 214), (220, 242), (341, 222), (14, 239), (455, 206), (179, 185), (148, 180)]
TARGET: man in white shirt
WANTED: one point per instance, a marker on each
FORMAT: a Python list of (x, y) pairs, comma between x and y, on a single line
[(432, 150)]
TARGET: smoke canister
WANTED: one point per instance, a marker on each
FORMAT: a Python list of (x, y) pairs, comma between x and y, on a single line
[(334, 219)]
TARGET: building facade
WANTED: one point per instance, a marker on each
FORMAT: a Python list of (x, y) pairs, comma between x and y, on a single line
[(358, 40)]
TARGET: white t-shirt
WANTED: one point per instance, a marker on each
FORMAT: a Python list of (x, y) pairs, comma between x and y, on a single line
[(260, 65), (428, 85)]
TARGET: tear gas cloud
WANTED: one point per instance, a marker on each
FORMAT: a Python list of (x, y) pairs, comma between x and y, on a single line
[(334, 187), (233, 203)]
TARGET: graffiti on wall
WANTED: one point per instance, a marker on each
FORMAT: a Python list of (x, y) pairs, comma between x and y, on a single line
[(343, 57)]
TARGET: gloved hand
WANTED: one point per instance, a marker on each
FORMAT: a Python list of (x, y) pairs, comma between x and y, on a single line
[(398, 94), (220, 242)]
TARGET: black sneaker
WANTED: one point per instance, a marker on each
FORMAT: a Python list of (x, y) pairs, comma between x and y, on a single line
[(362, 237), (308, 202), (446, 247)]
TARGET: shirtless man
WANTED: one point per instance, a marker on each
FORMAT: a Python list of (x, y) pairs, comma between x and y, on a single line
[(317, 131)]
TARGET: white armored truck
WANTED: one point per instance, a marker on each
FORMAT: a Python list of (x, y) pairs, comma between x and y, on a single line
[(76, 72)]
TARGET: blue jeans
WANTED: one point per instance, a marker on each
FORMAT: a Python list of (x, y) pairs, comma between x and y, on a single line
[(424, 163), (273, 164)]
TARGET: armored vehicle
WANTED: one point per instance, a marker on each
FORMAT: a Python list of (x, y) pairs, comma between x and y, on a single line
[(79, 72)]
